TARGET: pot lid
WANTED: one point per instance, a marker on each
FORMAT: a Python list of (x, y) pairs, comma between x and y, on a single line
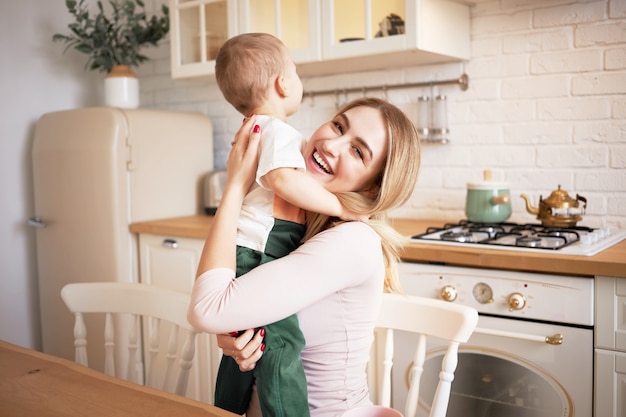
[(487, 184)]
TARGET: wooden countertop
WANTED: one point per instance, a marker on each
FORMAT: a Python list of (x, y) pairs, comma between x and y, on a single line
[(35, 384), (610, 262)]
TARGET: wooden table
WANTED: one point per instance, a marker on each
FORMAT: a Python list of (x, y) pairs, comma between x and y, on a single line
[(35, 384)]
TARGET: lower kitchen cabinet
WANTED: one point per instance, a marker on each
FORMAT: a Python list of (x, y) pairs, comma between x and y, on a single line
[(610, 386), (610, 347), (171, 262)]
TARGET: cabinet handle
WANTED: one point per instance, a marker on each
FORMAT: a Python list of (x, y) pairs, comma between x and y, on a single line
[(170, 243), (36, 222)]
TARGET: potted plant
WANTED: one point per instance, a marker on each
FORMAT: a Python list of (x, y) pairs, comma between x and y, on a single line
[(113, 42)]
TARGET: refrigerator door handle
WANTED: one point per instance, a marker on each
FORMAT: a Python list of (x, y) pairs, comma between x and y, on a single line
[(36, 222), (170, 243)]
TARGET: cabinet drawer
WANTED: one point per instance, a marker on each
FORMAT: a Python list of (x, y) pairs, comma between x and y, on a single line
[(169, 261)]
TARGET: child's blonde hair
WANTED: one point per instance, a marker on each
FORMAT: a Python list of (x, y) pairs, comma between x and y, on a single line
[(246, 66)]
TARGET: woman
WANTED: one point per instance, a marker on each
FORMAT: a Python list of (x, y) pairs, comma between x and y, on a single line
[(369, 155)]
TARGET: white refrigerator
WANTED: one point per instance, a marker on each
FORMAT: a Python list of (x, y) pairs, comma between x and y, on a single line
[(96, 171)]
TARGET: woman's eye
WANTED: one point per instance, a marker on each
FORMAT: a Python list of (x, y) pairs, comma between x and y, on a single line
[(358, 152), (338, 126)]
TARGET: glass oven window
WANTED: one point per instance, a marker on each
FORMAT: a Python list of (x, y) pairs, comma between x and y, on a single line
[(487, 385)]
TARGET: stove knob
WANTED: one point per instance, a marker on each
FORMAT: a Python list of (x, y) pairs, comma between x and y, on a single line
[(516, 301), (449, 293)]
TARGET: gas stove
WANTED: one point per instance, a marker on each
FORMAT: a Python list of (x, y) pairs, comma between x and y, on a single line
[(529, 237)]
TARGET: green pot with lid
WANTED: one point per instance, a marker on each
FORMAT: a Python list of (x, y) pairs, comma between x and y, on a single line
[(488, 201)]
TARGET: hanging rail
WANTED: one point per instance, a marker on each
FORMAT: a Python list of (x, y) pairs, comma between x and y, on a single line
[(462, 81)]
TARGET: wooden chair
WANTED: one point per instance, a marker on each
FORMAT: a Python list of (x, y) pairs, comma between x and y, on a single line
[(428, 318), (149, 308)]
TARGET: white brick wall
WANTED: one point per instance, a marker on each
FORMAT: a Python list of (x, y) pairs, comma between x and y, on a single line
[(546, 105)]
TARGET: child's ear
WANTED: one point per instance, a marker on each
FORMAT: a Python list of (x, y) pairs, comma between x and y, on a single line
[(280, 86)]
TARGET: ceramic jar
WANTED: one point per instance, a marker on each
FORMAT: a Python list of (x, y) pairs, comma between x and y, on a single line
[(121, 88)]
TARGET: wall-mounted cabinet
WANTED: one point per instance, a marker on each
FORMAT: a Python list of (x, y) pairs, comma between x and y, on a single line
[(324, 36)]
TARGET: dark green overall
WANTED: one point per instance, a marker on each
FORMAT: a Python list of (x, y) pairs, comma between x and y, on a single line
[(280, 379)]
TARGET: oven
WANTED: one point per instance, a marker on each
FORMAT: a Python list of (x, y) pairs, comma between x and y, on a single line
[(532, 352)]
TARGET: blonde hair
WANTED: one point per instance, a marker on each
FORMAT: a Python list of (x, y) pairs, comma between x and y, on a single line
[(396, 183), (246, 67)]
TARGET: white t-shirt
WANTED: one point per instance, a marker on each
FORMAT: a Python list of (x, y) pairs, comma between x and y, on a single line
[(333, 282), (281, 147)]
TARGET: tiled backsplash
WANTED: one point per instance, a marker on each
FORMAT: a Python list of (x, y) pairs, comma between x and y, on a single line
[(546, 105)]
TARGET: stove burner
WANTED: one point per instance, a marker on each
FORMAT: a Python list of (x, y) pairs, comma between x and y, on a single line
[(568, 235), (489, 229), (457, 236), (528, 241)]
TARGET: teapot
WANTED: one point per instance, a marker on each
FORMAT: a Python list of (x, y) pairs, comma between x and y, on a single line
[(558, 210)]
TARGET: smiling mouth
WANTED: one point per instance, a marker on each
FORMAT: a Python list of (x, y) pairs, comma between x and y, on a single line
[(321, 163)]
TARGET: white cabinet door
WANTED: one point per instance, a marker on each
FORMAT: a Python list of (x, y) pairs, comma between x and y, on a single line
[(353, 37), (171, 262), (295, 22), (198, 28), (610, 321), (350, 28), (610, 383)]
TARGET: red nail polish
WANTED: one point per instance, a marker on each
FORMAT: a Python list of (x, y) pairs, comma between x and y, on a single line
[(262, 332), (263, 347), (233, 333), (257, 129)]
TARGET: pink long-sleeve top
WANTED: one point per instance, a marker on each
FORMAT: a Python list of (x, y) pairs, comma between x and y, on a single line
[(334, 283)]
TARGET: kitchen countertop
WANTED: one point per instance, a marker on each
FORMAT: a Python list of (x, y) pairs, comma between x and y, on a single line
[(610, 262)]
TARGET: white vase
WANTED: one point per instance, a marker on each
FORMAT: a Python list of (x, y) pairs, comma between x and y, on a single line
[(121, 88)]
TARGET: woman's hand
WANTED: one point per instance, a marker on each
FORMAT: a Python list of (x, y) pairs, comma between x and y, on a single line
[(243, 158), (221, 242), (246, 348)]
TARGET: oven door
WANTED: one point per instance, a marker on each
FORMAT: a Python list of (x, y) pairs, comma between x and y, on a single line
[(507, 369)]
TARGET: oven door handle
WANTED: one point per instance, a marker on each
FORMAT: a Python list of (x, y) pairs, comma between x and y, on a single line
[(556, 339)]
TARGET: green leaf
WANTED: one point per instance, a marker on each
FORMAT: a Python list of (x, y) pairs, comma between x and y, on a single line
[(116, 38)]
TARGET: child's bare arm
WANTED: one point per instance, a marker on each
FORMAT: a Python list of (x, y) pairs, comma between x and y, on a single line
[(299, 189)]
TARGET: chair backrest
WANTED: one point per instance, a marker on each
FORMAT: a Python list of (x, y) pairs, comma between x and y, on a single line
[(148, 307), (428, 318)]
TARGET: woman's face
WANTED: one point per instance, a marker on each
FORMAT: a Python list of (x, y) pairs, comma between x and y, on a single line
[(348, 152)]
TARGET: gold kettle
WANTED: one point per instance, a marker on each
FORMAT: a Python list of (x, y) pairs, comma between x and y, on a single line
[(558, 210)]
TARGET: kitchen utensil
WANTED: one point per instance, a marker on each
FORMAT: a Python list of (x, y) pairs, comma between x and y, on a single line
[(487, 201), (214, 183), (558, 210)]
